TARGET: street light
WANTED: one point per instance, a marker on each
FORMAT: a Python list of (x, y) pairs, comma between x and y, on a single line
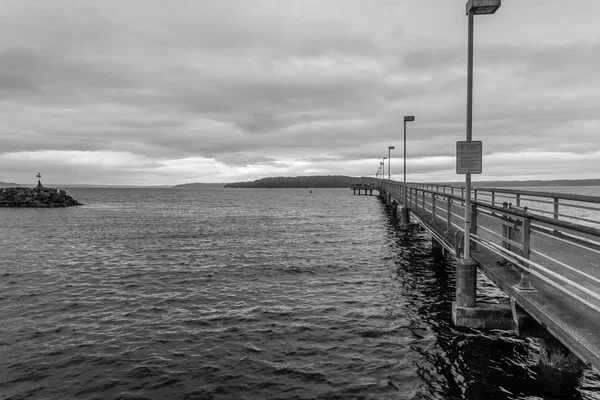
[(467, 267), (383, 165), (390, 148), (480, 7)]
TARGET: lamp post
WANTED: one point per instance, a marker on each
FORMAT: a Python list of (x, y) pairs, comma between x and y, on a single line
[(467, 267), (407, 118), (383, 165), (390, 148)]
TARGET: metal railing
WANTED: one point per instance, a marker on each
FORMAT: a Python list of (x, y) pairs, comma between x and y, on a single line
[(554, 237)]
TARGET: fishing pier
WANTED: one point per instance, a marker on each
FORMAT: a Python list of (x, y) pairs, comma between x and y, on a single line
[(541, 249), (366, 187)]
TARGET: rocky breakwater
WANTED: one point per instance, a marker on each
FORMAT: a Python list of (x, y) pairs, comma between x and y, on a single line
[(37, 197)]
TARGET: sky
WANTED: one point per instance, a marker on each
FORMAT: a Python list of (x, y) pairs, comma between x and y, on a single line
[(149, 92)]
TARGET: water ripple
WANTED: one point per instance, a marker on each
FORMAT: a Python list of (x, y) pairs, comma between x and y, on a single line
[(220, 294)]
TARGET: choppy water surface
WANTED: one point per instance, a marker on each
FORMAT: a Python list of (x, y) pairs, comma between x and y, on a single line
[(241, 294)]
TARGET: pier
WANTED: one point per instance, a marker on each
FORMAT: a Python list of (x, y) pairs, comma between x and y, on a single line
[(366, 187), (541, 249)]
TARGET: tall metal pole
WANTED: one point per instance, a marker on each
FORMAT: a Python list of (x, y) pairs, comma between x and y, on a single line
[(404, 194), (467, 254), (389, 163), (383, 166), (466, 268)]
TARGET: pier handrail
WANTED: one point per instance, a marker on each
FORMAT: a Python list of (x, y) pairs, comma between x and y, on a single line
[(511, 235), (515, 212), (535, 201)]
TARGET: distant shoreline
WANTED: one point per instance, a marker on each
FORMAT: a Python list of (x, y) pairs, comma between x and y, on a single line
[(319, 182)]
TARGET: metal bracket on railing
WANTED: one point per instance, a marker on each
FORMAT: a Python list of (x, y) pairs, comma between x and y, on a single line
[(505, 235), (459, 243)]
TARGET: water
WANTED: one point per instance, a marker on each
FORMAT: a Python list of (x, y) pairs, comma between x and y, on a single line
[(241, 294)]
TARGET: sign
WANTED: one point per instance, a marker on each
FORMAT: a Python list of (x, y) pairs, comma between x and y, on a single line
[(469, 157)]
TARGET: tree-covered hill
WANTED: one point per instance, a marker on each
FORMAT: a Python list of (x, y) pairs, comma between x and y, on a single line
[(197, 185), (328, 181)]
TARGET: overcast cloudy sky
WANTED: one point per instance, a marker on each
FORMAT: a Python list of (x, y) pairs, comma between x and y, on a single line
[(167, 92)]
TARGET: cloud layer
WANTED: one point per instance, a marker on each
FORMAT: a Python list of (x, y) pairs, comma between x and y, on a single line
[(148, 92)]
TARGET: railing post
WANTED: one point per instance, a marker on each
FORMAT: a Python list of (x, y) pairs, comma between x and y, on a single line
[(493, 198), (556, 211), (505, 233), (474, 225), (525, 283), (518, 199), (415, 194), (448, 214), (417, 199), (433, 207), (423, 200)]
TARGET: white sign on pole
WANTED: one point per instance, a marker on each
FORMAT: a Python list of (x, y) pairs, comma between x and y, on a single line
[(469, 157)]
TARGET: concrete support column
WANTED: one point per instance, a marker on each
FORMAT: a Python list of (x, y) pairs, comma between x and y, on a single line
[(405, 216), (466, 283), (437, 248)]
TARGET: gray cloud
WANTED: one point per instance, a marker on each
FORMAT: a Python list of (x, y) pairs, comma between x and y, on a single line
[(274, 85)]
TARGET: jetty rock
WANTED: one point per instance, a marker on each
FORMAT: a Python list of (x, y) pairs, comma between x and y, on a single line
[(36, 197)]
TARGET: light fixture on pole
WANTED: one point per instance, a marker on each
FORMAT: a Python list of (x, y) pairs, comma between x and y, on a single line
[(383, 165), (479, 7), (390, 148), (467, 268)]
